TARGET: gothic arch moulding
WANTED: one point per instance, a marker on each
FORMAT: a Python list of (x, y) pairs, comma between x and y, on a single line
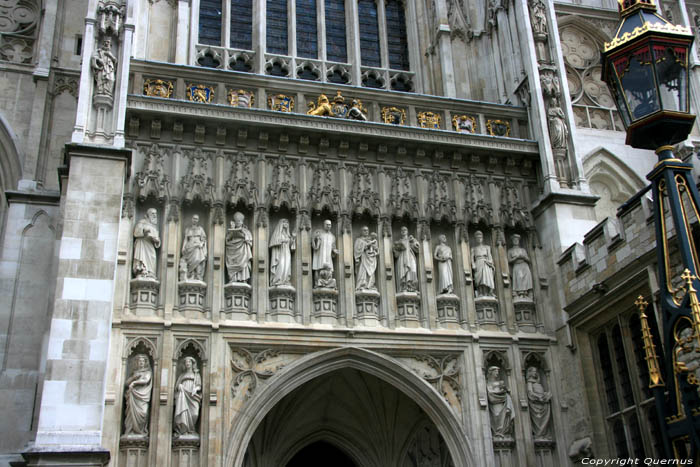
[(10, 165), (314, 365), (611, 179)]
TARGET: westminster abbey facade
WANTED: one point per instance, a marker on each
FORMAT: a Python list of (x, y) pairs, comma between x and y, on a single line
[(242, 233)]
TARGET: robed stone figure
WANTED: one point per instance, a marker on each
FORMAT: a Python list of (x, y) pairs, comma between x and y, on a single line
[(194, 250), (538, 402), (520, 269), (443, 257), (137, 398), (239, 250), (282, 243), (323, 245), (146, 240), (104, 65), (405, 250), (365, 252), (188, 399), (501, 410), (482, 264)]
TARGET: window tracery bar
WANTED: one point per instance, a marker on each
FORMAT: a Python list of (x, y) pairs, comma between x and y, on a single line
[(241, 24), (277, 27)]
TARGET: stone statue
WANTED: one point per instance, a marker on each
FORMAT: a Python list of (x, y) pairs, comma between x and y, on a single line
[(282, 243), (188, 399), (104, 65), (687, 356), (239, 252), (405, 250), (365, 251), (323, 245), (538, 398), (501, 410), (539, 17), (558, 131), (356, 112), (443, 256), (146, 240), (138, 397), (482, 264), (194, 250), (521, 275)]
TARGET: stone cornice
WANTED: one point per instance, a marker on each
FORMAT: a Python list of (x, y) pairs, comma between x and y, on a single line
[(44, 198)]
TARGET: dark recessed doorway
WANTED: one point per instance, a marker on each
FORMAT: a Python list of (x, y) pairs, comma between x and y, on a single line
[(321, 454)]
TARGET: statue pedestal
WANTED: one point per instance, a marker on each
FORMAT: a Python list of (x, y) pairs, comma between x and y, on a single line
[(367, 307), (503, 451), (186, 451), (487, 310), (447, 308), (144, 295), (192, 294), (524, 308), (133, 451), (282, 298), (237, 301), (325, 302), (407, 309)]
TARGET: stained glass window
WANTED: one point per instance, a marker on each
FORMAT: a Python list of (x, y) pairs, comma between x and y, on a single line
[(396, 35), (608, 378), (625, 383), (369, 33), (307, 35), (336, 46), (210, 22), (242, 24), (277, 26)]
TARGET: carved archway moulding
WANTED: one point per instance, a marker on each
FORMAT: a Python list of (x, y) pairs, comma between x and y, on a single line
[(314, 365)]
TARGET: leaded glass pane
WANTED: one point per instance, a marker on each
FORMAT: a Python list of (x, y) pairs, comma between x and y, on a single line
[(396, 35), (307, 36), (624, 373), (210, 22), (336, 46), (242, 24), (277, 27), (369, 33), (620, 441), (608, 378), (636, 437)]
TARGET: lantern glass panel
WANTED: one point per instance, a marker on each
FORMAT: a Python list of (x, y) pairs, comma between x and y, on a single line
[(638, 82), (620, 102), (672, 76)]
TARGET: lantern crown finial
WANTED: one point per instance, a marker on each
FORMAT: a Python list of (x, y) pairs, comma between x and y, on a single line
[(627, 7)]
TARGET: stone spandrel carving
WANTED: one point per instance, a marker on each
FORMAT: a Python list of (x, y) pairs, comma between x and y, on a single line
[(18, 25), (501, 409), (483, 267), (137, 398), (239, 250), (324, 250), (366, 250), (521, 275), (104, 66), (442, 372), (282, 243), (188, 399), (539, 404), (146, 241), (443, 257), (405, 251), (194, 251), (251, 369)]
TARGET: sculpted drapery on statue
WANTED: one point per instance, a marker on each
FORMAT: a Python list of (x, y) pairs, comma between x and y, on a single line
[(239, 252), (137, 398), (365, 252), (323, 245), (520, 269), (104, 65), (482, 264), (194, 251), (282, 243), (405, 250), (558, 131), (188, 399), (146, 240), (501, 410), (539, 406), (443, 256)]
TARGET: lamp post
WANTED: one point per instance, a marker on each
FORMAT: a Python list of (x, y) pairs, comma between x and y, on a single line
[(646, 69)]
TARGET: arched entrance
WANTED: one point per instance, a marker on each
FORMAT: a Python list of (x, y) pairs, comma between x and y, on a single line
[(370, 407)]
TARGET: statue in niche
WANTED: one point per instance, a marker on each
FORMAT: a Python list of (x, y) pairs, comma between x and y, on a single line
[(520, 270), (188, 399), (687, 356), (405, 251), (539, 17), (365, 252), (538, 399), (239, 250), (501, 410), (138, 398), (104, 65), (482, 263), (282, 243), (558, 131), (194, 251), (323, 245), (443, 256), (146, 240)]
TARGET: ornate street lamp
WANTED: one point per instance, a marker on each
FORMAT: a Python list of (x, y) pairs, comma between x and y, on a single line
[(646, 69)]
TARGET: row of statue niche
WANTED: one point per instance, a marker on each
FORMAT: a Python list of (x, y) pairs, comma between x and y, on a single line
[(502, 410), (239, 255), (187, 403)]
